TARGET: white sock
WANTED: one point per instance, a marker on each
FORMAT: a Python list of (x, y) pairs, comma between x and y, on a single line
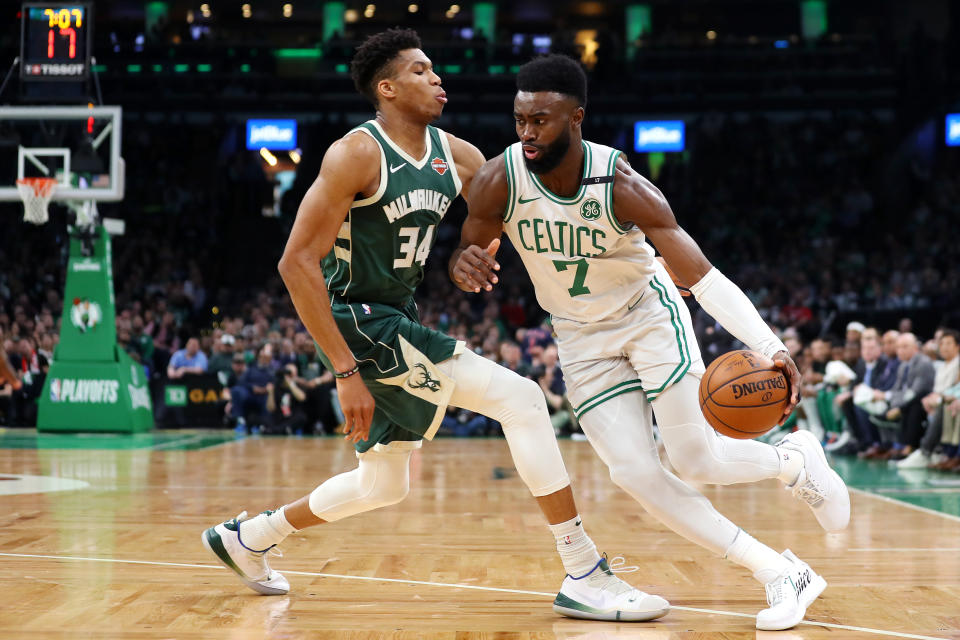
[(765, 563), (265, 530), (577, 551), (791, 464)]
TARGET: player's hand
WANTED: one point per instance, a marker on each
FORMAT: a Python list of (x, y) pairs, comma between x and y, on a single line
[(783, 361), (682, 286), (475, 268), (357, 405)]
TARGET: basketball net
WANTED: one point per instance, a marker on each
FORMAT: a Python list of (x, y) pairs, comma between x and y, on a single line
[(36, 194)]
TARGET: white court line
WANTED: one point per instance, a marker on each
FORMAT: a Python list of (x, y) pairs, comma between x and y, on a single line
[(907, 549), (174, 443), (881, 632), (905, 504)]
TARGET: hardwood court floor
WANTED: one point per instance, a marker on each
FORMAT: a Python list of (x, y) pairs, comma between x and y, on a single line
[(117, 553)]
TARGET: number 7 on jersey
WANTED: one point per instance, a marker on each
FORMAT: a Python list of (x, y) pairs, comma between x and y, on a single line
[(578, 288)]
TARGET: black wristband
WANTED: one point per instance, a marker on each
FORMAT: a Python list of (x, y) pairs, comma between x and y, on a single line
[(347, 374)]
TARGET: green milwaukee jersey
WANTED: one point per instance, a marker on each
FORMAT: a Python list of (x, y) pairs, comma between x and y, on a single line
[(382, 246)]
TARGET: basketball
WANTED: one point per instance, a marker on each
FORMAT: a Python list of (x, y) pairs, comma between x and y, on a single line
[(743, 395)]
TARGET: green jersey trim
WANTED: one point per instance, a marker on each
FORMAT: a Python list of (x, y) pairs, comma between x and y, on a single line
[(685, 359), (417, 164), (383, 171), (587, 160), (612, 171), (611, 392), (511, 184)]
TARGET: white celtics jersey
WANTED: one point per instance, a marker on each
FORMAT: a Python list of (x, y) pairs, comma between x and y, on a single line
[(584, 264)]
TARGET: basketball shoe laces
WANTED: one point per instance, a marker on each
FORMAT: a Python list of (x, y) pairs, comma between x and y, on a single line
[(609, 582), (809, 490)]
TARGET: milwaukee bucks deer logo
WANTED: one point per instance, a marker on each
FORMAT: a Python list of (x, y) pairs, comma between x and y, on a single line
[(421, 378)]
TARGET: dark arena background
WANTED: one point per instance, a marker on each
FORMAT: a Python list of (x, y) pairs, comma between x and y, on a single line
[(810, 147)]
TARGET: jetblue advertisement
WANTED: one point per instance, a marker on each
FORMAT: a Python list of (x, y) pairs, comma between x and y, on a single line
[(658, 135), (279, 135), (953, 129)]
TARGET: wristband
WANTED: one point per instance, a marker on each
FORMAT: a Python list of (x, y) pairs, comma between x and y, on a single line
[(347, 374)]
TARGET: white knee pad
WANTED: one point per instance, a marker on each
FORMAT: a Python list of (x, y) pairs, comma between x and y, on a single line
[(381, 479), (517, 403), (699, 453)]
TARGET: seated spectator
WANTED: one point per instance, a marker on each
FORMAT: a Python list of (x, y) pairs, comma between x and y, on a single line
[(914, 381), (321, 405), (220, 363), (142, 343), (933, 403), (950, 440), (286, 403), (187, 360), (868, 398), (31, 368), (248, 397), (511, 357)]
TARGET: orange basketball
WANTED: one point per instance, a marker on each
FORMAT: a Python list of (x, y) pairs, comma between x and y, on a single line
[(743, 395)]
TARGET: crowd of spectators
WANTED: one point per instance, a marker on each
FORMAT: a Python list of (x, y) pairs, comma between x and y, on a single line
[(822, 218)]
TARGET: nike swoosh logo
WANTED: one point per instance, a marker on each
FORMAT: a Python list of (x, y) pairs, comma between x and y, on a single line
[(394, 169), (522, 201), (630, 308)]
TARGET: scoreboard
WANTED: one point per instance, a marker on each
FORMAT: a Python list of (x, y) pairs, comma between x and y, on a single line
[(55, 41)]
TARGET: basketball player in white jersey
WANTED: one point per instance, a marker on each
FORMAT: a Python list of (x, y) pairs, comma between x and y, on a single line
[(395, 377), (578, 215)]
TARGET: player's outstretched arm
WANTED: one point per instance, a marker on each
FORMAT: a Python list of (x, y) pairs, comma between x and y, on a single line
[(637, 200), (350, 166), (473, 264)]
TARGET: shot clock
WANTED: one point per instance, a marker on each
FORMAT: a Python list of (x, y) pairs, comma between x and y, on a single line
[(55, 41)]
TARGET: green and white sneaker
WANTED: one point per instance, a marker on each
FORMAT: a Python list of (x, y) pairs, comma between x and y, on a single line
[(223, 541), (600, 595)]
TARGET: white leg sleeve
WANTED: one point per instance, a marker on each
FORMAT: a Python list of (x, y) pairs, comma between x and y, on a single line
[(621, 431), (699, 453), (381, 479), (517, 403)]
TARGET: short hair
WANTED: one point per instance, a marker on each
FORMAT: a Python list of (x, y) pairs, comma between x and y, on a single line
[(951, 333), (557, 73), (371, 63)]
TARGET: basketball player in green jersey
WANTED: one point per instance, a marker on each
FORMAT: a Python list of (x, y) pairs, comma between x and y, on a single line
[(354, 257), (578, 215)]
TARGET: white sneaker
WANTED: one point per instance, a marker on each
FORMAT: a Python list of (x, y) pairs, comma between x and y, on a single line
[(818, 485), (224, 542), (600, 595), (916, 460), (789, 595)]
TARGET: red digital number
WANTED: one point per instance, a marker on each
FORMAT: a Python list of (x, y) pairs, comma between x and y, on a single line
[(72, 47), (72, 51)]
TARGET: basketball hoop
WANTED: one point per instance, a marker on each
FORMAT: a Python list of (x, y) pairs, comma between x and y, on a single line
[(36, 194)]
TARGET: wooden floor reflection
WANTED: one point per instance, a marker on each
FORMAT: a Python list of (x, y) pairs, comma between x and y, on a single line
[(467, 552)]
